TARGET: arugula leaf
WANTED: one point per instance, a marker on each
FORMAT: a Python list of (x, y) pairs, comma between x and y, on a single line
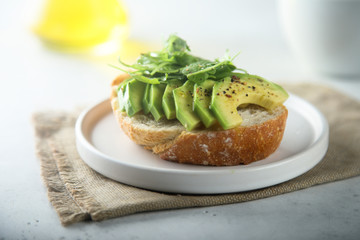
[(175, 44), (144, 79), (196, 67), (174, 62), (198, 72)]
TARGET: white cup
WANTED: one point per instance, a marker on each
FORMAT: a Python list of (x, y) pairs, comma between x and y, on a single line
[(324, 34)]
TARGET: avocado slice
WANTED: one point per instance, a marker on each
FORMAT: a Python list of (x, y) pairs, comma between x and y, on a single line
[(133, 95), (120, 94), (168, 102), (155, 99), (146, 99), (202, 99), (230, 93), (183, 97)]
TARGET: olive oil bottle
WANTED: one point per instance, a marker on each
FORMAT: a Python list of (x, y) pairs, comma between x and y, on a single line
[(83, 24)]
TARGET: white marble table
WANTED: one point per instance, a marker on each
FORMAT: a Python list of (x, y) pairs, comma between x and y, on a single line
[(34, 78)]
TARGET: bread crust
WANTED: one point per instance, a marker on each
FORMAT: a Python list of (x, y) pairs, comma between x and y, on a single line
[(240, 145)]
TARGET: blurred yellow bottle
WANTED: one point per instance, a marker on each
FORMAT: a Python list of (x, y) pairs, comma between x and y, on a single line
[(82, 23)]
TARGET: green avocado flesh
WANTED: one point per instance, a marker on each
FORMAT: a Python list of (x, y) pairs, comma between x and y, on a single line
[(155, 97), (183, 97), (202, 99), (204, 103), (120, 94), (133, 95), (168, 102), (174, 84), (146, 99), (231, 93)]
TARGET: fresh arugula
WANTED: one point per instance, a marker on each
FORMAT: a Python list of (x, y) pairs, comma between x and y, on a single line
[(174, 62)]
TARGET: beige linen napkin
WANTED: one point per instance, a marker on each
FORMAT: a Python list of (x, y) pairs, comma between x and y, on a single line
[(78, 193)]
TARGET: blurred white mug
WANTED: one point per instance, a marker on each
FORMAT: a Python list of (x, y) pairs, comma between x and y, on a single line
[(324, 34)]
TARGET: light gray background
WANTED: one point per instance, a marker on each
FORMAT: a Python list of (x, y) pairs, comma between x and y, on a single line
[(35, 78)]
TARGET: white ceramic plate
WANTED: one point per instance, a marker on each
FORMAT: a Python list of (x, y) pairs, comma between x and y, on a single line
[(105, 148)]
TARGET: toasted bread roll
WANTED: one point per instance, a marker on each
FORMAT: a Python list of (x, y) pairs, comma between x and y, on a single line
[(256, 138)]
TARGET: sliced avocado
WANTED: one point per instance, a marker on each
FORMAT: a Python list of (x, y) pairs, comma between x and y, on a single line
[(168, 102), (183, 97), (120, 94), (146, 99), (133, 95), (230, 93), (155, 100), (202, 99)]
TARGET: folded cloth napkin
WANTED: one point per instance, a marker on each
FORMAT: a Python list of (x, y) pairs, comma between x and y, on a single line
[(78, 193)]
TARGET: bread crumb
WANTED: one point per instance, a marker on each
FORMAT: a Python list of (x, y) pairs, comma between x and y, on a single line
[(228, 141), (204, 148), (211, 135), (172, 155), (225, 154)]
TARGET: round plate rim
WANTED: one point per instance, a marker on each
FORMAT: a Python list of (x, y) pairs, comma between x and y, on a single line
[(87, 150)]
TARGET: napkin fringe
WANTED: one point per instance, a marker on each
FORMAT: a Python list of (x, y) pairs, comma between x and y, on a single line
[(73, 185), (65, 205)]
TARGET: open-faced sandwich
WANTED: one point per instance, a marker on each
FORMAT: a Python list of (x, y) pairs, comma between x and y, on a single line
[(191, 110)]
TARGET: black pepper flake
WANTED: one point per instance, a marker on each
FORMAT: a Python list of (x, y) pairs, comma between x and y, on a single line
[(228, 95), (246, 95), (253, 88), (224, 92), (234, 77)]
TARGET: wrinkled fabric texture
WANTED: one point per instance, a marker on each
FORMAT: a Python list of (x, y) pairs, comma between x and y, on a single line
[(78, 193)]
